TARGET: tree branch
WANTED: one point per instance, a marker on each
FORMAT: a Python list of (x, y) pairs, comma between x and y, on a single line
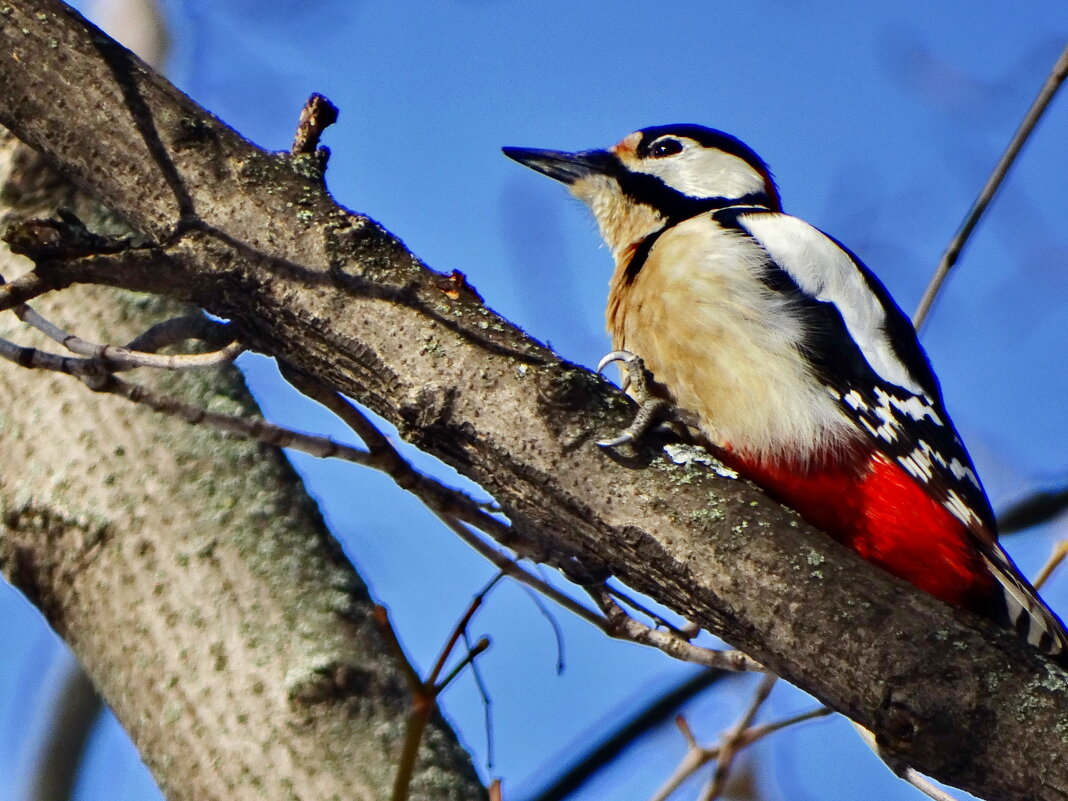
[(244, 234), (993, 183)]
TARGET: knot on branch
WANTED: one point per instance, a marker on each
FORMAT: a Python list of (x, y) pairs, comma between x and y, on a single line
[(57, 239), (918, 713), (328, 680), (455, 286)]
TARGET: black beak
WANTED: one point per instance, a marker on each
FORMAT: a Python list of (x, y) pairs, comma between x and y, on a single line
[(564, 167)]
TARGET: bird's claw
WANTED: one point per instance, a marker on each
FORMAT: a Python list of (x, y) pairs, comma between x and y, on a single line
[(624, 356), (650, 408), (629, 361), (625, 438)]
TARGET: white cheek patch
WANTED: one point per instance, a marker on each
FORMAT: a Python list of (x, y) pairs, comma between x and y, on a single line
[(700, 172)]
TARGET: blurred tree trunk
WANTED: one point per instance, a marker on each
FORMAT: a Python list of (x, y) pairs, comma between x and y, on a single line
[(190, 574)]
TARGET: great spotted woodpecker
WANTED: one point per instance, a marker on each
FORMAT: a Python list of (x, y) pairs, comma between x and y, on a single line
[(799, 369)]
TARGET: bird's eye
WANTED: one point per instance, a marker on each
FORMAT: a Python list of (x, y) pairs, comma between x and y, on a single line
[(667, 146)]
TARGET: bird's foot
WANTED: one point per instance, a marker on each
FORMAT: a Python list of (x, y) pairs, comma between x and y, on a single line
[(635, 380)]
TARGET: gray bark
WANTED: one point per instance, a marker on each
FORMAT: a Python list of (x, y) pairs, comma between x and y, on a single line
[(254, 237)]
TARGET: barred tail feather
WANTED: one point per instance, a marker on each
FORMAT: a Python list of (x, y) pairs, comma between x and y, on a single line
[(1025, 612)]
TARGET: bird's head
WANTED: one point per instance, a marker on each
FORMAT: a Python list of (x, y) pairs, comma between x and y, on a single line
[(657, 176)]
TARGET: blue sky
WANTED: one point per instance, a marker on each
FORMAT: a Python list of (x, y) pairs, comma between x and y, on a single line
[(880, 123)]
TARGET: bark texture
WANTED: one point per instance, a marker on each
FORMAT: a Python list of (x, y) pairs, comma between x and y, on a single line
[(254, 237), (191, 575)]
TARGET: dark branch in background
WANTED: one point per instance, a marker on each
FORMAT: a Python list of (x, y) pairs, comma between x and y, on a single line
[(78, 708), (1038, 508), (253, 238), (656, 712), (1019, 139)]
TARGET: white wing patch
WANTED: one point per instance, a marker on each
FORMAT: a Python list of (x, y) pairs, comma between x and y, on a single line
[(827, 273)]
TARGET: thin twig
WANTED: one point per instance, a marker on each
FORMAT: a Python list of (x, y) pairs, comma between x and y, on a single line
[(37, 359), (757, 732), (487, 703), (380, 616), (115, 357), (657, 709), (443, 501), (425, 692), (469, 659), (733, 741), (90, 372), (511, 568), (459, 629), (623, 626), (1034, 114), (78, 706), (635, 604), (1040, 507), (558, 633), (1060, 551), (925, 785), (25, 287), (730, 744)]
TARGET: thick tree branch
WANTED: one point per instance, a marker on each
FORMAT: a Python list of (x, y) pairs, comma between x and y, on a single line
[(253, 237)]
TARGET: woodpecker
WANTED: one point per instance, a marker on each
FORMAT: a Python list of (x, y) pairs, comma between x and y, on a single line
[(798, 368)]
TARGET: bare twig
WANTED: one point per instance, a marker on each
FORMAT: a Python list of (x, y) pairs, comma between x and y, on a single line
[(558, 634), (1034, 114), (487, 702), (623, 626), (114, 357), (925, 785), (94, 377), (686, 632), (446, 502), (734, 740), (741, 735), (1060, 551), (25, 287), (77, 709), (512, 569), (757, 732), (575, 775), (458, 630), (698, 756), (425, 692), (380, 616)]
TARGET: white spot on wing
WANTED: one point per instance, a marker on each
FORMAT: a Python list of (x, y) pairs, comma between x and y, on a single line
[(854, 401), (959, 509), (917, 407)]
